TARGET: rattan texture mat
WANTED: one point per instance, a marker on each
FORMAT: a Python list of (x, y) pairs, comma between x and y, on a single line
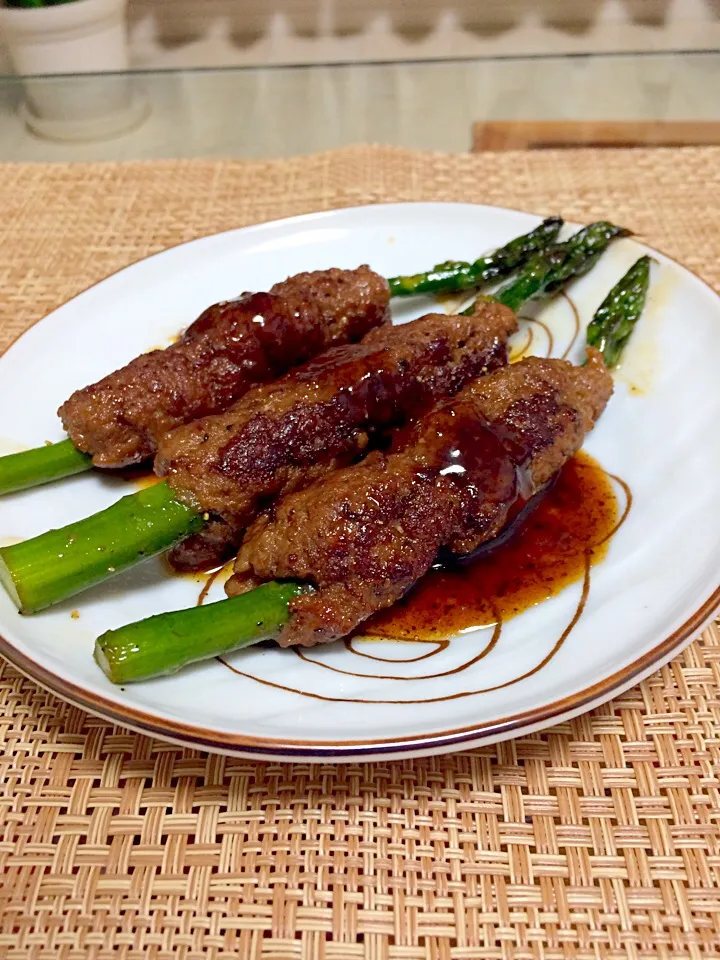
[(598, 838)]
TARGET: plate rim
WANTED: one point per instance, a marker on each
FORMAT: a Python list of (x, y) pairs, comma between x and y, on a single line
[(444, 740), (441, 741)]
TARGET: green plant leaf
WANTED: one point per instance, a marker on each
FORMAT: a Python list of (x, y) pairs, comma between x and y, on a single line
[(36, 3)]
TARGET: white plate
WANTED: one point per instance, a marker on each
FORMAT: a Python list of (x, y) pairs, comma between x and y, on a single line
[(651, 596)]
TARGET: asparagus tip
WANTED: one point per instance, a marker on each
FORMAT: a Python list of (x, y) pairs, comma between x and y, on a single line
[(615, 319)]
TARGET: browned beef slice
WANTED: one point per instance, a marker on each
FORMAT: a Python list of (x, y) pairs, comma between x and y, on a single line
[(364, 535), (212, 546), (229, 348), (217, 542), (286, 434)]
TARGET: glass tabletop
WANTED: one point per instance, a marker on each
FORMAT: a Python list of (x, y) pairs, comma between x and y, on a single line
[(280, 111)]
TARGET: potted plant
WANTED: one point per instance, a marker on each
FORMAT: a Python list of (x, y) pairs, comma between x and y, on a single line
[(64, 38)]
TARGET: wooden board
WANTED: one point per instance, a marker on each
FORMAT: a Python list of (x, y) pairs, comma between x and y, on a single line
[(553, 134)]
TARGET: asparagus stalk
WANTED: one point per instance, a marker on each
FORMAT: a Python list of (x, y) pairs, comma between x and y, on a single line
[(47, 569), (153, 641), (32, 468), (139, 651), (529, 283), (40, 465), (615, 319), (56, 565), (454, 276)]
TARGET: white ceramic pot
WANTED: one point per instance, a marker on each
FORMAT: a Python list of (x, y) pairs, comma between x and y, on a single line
[(87, 36)]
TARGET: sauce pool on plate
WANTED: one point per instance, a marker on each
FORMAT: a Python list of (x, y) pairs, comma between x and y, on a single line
[(571, 526)]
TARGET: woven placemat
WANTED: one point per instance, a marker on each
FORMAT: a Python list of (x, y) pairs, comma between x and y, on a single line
[(596, 839)]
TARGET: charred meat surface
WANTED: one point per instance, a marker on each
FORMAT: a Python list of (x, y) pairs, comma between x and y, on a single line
[(364, 535), (228, 349), (285, 435)]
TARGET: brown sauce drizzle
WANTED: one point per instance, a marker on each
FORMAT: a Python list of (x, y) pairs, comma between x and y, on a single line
[(523, 349), (576, 316), (207, 586), (460, 694), (209, 579), (516, 355), (520, 350), (573, 522)]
